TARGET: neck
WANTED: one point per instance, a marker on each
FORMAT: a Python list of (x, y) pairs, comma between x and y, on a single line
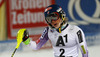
[(63, 26)]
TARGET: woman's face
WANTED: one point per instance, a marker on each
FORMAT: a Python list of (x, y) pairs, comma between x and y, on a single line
[(56, 23)]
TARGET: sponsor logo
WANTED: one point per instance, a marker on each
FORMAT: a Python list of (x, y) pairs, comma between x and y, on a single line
[(86, 19)]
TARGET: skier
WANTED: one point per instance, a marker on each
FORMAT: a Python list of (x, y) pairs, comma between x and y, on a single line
[(66, 39)]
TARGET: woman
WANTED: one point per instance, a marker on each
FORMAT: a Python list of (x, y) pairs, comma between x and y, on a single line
[(66, 39)]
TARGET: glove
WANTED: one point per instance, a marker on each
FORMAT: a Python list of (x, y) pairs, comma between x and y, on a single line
[(26, 39)]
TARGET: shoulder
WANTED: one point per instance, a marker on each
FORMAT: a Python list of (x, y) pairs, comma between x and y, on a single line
[(74, 28), (45, 29), (45, 32)]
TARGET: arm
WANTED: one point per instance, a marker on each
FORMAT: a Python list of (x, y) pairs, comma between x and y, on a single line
[(40, 42), (82, 43)]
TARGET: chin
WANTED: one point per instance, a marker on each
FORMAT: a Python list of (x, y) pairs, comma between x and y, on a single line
[(57, 27)]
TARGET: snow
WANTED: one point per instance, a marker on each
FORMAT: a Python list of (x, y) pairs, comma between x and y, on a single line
[(93, 52)]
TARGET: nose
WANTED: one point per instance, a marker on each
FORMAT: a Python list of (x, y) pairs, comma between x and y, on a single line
[(53, 21)]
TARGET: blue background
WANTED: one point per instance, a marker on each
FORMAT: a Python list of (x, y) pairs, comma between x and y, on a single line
[(92, 31), (88, 7)]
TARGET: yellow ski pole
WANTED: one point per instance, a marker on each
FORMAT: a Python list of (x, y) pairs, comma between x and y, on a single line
[(19, 40)]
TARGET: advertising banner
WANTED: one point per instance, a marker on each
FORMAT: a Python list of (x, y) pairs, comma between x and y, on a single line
[(2, 20), (27, 14), (85, 14), (1, 2)]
